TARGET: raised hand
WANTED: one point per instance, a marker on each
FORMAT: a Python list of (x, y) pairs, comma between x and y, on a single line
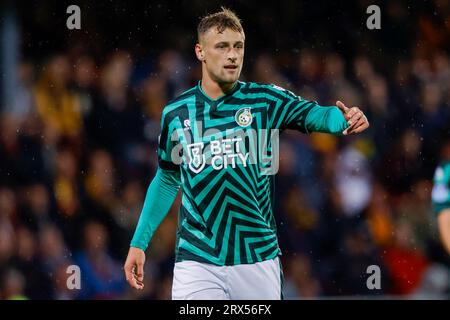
[(355, 117)]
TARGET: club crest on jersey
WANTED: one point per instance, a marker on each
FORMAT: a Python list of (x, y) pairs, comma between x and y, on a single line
[(244, 117), (196, 157)]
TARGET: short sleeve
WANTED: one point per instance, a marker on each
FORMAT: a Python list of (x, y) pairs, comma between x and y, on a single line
[(293, 112), (167, 141), (290, 110)]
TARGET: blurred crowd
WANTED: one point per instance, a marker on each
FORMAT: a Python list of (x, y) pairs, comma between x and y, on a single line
[(78, 150)]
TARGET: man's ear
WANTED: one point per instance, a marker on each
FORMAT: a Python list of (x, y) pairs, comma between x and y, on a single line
[(199, 52)]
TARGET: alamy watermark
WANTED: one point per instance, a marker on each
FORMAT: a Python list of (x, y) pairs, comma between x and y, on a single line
[(74, 20), (74, 280), (374, 20), (374, 280)]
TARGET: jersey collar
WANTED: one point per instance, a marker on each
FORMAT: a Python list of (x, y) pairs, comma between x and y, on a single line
[(236, 87)]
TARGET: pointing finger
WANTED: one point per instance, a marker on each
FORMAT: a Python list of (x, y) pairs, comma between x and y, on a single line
[(342, 107)]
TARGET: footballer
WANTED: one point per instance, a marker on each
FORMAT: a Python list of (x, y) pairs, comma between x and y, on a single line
[(226, 239)]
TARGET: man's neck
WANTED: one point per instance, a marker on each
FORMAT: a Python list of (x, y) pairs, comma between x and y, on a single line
[(215, 90)]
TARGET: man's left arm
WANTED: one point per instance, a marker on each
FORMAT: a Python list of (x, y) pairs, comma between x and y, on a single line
[(292, 112)]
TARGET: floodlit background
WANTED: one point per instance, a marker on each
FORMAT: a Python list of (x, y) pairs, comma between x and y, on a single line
[(80, 115)]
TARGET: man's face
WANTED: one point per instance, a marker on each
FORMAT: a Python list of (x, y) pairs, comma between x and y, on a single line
[(222, 54)]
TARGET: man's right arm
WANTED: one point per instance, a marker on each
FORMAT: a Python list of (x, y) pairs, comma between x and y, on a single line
[(164, 187), (160, 196)]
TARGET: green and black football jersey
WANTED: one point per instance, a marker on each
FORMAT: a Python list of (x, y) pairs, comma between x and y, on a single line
[(440, 195), (226, 151)]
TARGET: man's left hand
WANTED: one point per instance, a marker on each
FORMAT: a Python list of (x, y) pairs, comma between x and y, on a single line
[(355, 117)]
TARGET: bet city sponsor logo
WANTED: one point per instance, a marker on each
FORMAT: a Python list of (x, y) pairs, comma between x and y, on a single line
[(224, 153), (227, 149)]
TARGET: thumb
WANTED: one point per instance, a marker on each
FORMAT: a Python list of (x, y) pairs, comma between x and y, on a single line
[(342, 106)]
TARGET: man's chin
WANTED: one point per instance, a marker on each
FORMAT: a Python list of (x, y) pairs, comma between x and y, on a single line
[(228, 80)]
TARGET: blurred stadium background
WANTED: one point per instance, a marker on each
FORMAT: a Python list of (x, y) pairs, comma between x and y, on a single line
[(79, 122)]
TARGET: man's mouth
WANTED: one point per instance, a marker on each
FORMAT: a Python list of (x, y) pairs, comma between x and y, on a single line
[(231, 66)]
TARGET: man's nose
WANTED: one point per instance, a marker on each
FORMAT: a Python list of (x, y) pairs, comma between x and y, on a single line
[(232, 55)]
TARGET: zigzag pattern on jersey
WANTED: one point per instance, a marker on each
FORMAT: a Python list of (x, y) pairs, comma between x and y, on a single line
[(236, 205), (226, 215), (238, 232), (287, 110)]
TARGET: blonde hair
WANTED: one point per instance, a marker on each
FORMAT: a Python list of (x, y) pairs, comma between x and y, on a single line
[(221, 20)]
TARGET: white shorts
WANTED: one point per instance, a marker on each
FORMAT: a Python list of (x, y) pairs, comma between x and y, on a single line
[(201, 281)]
